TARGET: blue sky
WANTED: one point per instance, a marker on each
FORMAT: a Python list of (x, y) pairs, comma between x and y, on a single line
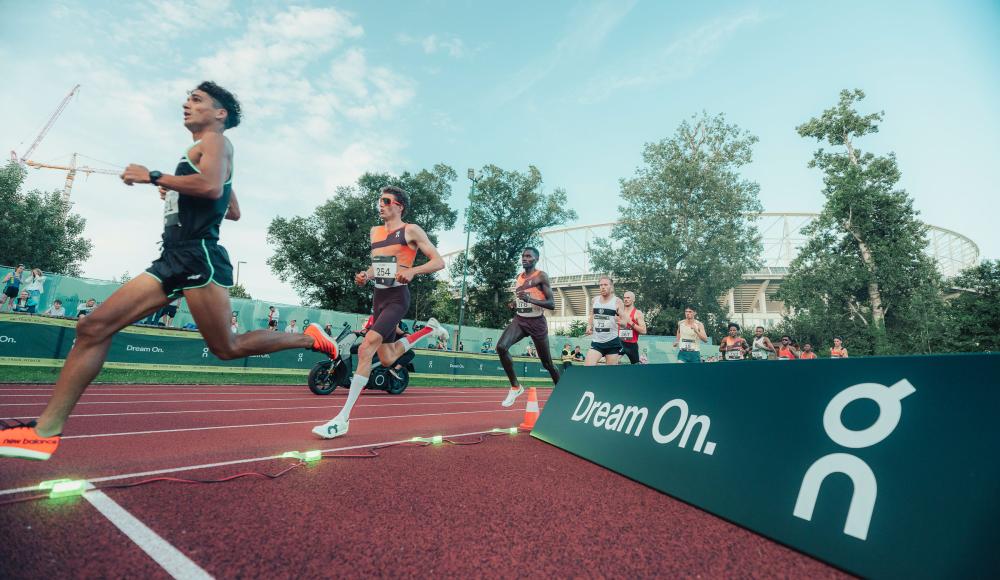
[(576, 88)]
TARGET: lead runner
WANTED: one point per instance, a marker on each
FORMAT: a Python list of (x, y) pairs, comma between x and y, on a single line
[(192, 263)]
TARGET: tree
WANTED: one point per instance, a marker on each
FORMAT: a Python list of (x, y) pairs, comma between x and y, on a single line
[(686, 234), (863, 271), (239, 291), (320, 253), (975, 312), (576, 329), (37, 228), (507, 211)]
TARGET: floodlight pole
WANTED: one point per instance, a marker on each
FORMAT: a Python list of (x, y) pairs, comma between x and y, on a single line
[(465, 259)]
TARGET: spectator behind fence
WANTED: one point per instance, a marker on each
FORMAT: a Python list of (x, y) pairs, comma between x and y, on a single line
[(24, 304), (86, 308), (234, 325), (272, 318), (11, 287), (34, 283), (56, 309), (291, 328), (567, 356), (578, 356)]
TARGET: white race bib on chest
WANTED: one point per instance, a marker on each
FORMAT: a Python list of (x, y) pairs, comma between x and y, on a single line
[(385, 269)]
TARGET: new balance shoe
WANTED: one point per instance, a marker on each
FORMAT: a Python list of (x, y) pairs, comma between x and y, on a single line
[(333, 428), (512, 396), (439, 331), (23, 442), (321, 341)]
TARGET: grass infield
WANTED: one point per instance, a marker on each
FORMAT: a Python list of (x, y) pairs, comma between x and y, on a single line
[(48, 375)]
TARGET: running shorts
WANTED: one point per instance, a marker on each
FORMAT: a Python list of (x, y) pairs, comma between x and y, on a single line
[(191, 264)]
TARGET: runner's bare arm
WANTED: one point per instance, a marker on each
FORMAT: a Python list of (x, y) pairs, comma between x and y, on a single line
[(213, 161), (233, 211), (549, 303), (640, 322), (418, 236)]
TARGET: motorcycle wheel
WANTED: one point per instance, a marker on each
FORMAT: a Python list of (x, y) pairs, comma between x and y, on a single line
[(397, 386), (320, 382)]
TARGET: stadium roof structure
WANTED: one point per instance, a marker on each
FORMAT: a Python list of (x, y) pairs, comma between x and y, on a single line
[(566, 259)]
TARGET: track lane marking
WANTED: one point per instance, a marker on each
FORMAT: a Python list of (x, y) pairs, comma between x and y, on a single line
[(266, 409), (198, 401), (172, 560), (34, 488)]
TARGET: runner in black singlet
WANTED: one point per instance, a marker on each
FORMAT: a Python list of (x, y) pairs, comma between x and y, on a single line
[(192, 263)]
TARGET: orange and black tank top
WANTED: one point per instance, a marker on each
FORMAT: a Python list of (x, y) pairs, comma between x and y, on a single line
[(390, 252), (529, 285), (838, 352), (785, 353)]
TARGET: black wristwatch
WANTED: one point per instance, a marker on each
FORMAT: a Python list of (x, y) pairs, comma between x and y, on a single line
[(155, 176)]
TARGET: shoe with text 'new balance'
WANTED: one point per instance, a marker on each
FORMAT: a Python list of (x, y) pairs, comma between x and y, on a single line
[(20, 440), (321, 342)]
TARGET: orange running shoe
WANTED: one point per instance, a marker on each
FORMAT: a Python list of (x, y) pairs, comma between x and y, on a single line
[(21, 441), (321, 342)]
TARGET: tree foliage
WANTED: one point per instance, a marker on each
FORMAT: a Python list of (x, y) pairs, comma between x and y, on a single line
[(320, 253), (239, 291), (37, 228), (507, 211), (863, 273), (577, 328), (975, 311), (686, 233)]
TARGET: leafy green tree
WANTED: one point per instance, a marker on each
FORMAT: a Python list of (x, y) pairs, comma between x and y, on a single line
[(507, 211), (975, 311), (444, 304), (37, 228), (320, 253), (686, 233), (239, 291), (863, 273), (576, 329)]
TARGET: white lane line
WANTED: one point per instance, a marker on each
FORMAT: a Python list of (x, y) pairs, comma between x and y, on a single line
[(238, 400), (304, 389), (34, 488), (265, 409), (172, 560), (91, 436)]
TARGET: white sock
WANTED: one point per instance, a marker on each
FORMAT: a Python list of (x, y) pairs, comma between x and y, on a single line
[(357, 385)]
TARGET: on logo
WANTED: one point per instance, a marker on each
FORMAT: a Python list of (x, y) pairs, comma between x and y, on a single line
[(4, 338), (859, 513)]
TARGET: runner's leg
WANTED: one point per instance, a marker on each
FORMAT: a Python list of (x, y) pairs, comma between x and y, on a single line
[(211, 311), (133, 301), (542, 346), (511, 335)]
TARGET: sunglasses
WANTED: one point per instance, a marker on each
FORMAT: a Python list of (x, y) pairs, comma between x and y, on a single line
[(389, 201)]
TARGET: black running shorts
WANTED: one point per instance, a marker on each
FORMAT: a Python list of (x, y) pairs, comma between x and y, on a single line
[(613, 346), (191, 264), (389, 307), (631, 350), (534, 326)]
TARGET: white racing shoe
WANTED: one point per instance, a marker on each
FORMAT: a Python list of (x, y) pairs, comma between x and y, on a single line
[(333, 428), (439, 332), (512, 396)]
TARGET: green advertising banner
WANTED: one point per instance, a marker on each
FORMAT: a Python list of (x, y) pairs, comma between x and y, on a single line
[(42, 341), (885, 467)]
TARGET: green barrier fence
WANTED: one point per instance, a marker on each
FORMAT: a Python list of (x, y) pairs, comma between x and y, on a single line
[(253, 315)]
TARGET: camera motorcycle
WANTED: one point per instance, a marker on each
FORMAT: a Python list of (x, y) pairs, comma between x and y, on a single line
[(327, 375)]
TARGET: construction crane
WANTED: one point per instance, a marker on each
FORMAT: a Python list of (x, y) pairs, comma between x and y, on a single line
[(41, 135), (72, 170)]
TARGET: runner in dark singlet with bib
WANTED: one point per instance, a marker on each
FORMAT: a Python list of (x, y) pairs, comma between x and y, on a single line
[(532, 293), (197, 199)]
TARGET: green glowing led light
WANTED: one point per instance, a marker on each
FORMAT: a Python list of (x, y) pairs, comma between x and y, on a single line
[(67, 488), (48, 484), (512, 430), (437, 439), (417, 439), (292, 454), (314, 455)]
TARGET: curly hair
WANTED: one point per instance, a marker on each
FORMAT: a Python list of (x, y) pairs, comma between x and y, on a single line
[(224, 100)]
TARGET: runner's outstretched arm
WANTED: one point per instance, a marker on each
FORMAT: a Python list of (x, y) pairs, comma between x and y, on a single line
[(213, 167)]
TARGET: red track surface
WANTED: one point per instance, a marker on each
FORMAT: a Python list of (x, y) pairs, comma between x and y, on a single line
[(511, 506)]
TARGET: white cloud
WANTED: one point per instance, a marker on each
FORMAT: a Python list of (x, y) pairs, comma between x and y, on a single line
[(450, 44), (679, 59)]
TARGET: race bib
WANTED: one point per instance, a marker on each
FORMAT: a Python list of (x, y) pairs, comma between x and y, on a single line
[(759, 354), (385, 269), (626, 333), (602, 324), (522, 306), (171, 209), (734, 354), (688, 345)]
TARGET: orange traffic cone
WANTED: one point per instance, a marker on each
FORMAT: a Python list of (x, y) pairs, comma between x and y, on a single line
[(530, 410)]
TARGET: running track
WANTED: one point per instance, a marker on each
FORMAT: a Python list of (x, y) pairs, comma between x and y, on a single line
[(510, 506)]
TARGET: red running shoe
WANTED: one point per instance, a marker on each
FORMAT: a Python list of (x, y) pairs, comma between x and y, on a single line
[(21, 441), (321, 342)]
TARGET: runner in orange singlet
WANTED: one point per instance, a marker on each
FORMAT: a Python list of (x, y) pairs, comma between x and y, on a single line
[(531, 294), (838, 350), (785, 350)]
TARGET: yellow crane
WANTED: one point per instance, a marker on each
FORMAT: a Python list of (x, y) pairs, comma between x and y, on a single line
[(72, 170)]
